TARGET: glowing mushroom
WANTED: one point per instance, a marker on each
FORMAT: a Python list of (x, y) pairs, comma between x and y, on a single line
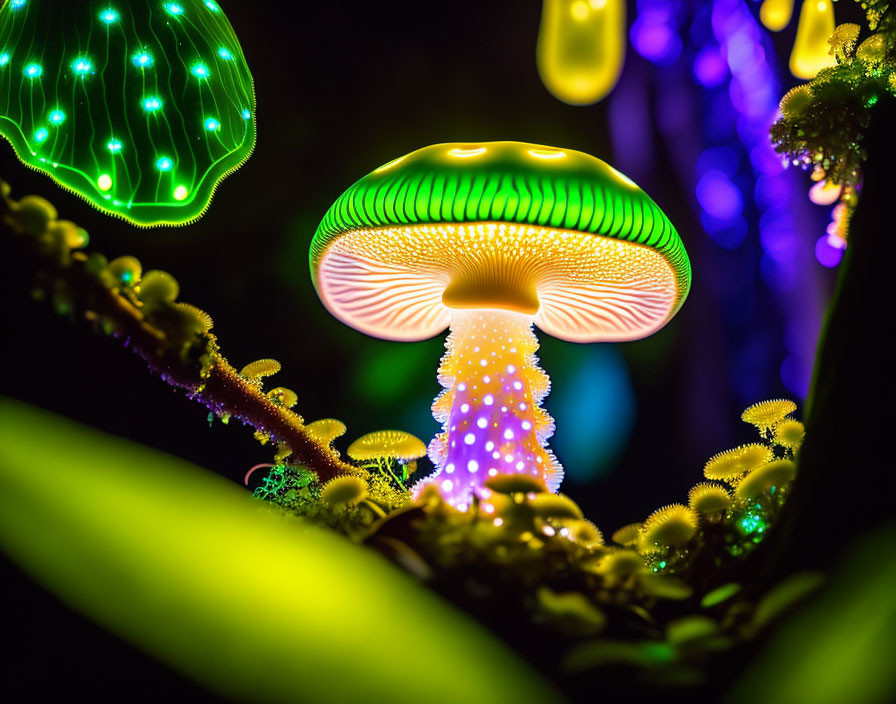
[(140, 107), (488, 239), (381, 446)]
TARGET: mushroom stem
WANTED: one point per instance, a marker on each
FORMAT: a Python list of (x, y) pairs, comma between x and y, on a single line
[(490, 409)]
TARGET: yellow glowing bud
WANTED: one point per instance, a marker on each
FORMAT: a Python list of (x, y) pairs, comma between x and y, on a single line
[(776, 14), (810, 50), (581, 48)]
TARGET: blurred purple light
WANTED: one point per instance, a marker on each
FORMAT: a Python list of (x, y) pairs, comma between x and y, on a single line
[(655, 41), (709, 67), (718, 196), (828, 251), (725, 233), (722, 158)]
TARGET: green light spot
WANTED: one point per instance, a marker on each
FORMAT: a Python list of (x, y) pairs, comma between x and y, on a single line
[(34, 70), (164, 164), (212, 125), (181, 193), (57, 117), (172, 8), (213, 6), (109, 16), (142, 59), (82, 66), (104, 182), (200, 71), (114, 146), (152, 104), (225, 54), (246, 114), (41, 134), (4, 59)]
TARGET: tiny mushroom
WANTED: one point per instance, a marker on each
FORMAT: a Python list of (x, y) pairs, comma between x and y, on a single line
[(387, 445), (487, 239)]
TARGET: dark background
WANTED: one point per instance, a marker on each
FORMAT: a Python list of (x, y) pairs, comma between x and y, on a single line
[(343, 88)]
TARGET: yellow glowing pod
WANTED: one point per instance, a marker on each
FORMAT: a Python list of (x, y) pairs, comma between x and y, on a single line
[(810, 50), (581, 48), (776, 14)]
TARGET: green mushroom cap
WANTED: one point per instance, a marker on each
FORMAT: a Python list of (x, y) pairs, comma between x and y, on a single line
[(553, 233)]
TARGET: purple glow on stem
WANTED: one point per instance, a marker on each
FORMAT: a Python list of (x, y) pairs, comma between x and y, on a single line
[(829, 250), (490, 410)]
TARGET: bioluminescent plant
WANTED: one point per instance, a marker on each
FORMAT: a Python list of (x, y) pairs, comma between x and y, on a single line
[(581, 48), (140, 107), (488, 239)]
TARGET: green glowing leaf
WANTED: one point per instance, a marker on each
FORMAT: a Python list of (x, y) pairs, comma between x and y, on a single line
[(140, 107), (720, 594), (195, 572), (839, 648), (785, 595)]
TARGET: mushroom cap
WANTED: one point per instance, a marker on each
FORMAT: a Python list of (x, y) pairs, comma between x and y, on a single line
[(326, 429), (395, 444), (554, 233), (141, 108)]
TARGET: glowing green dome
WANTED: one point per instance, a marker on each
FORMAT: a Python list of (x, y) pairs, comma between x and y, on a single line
[(507, 182), (552, 233), (140, 107)]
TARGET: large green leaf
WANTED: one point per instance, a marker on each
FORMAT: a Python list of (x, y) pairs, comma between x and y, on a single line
[(258, 607)]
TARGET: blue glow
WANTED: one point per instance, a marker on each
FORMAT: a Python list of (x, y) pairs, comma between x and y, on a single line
[(16, 4), (152, 103), (200, 71), (82, 66), (225, 54), (212, 125), (164, 164), (57, 117), (4, 59), (213, 6), (593, 429), (109, 16), (173, 8), (34, 71), (114, 146), (246, 114), (143, 59), (41, 134)]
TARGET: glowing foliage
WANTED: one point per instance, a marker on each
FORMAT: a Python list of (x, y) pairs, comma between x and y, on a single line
[(810, 49), (670, 526), (285, 397), (510, 484), (766, 414), (581, 48), (115, 103), (555, 506), (326, 430), (776, 14), (260, 368), (514, 234), (731, 465), (789, 433), (773, 474), (707, 497), (843, 41), (344, 491), (628, 534)]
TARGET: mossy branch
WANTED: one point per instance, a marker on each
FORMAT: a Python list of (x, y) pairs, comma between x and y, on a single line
[(174, 339)]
